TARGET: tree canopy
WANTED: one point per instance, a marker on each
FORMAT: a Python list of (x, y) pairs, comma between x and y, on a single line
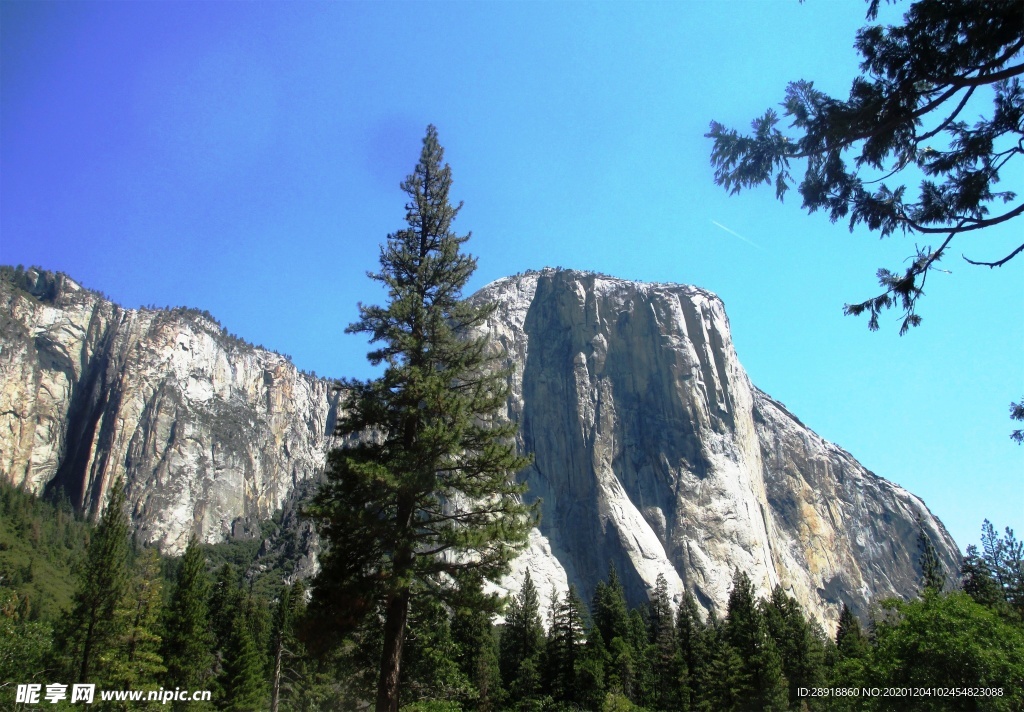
[(765, 654), (904, 120)]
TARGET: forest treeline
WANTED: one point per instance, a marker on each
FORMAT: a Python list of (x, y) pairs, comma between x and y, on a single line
[(83, 603)]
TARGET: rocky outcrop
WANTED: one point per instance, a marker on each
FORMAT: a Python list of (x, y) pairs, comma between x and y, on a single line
[(652, 450), (209, 433)]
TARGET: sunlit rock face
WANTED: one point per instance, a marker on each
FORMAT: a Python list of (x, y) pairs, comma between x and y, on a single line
[(209, 433), (652, 450)]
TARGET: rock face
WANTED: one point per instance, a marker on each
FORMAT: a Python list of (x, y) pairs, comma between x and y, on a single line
[(652, 450), (209, 433)]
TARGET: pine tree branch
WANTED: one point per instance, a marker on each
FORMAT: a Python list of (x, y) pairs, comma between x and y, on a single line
[(847, 141), (949, 119), (989, 78), (998, 263), (977, 224), (983, 79)]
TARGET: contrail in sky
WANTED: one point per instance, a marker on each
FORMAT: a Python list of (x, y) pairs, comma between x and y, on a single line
[(736, 234)]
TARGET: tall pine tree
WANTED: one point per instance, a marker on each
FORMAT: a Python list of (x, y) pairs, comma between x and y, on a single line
[(102, 584), (979, 582), (691, 637), (850, 639), (611, 615), (721, 684), (522, 643), (188, 641), (477, 656), (762, 683), (848, 660), (667, 668), (428, 493), (800, 648), (287, 650), (244, 664), (134, 660), (1004, 559), (933, 574), (564, 648)]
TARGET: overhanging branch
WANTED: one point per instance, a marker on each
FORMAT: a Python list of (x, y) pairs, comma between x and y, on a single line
[(949, 119), (997, 263), (966, 228)]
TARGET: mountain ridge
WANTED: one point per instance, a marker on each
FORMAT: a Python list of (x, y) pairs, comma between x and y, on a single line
[(652, 448)]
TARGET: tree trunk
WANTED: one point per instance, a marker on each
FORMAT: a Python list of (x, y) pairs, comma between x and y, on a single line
[(397, 615), (83, 675), (275, 694)]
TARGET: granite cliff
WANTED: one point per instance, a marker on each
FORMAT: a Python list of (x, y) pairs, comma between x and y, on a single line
[(652, 449), (210, 433)]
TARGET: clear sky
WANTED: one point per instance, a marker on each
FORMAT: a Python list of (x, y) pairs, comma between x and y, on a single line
[(245, 159)]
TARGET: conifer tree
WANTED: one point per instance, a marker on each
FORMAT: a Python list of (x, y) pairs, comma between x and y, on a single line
[(611, 629), (666, 665), (564, 647), (102, 585), (244, 665), (694, 653), (723, 686), (1004, 558), (689, 627), (978, 582), (282, 629), (485, 675), (430, 661), (295, 675), (134, 660), (933, 575), (590, 675), (850, 640), (848, 660), (430, 495), (611, 615), (621, 671), (660, 611), (638, 642), (522, 642), (477, 655), (224, 596), (287, 649), (800, 648), (188, 642), (762, 682)]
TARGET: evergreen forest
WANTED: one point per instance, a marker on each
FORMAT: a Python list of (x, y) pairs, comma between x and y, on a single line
[(82, 602)]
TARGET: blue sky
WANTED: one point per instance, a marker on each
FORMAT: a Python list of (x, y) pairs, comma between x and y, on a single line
[(245, 158)]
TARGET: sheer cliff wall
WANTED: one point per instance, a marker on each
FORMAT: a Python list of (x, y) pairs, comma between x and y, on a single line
[(653, 451), (209, 433)]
